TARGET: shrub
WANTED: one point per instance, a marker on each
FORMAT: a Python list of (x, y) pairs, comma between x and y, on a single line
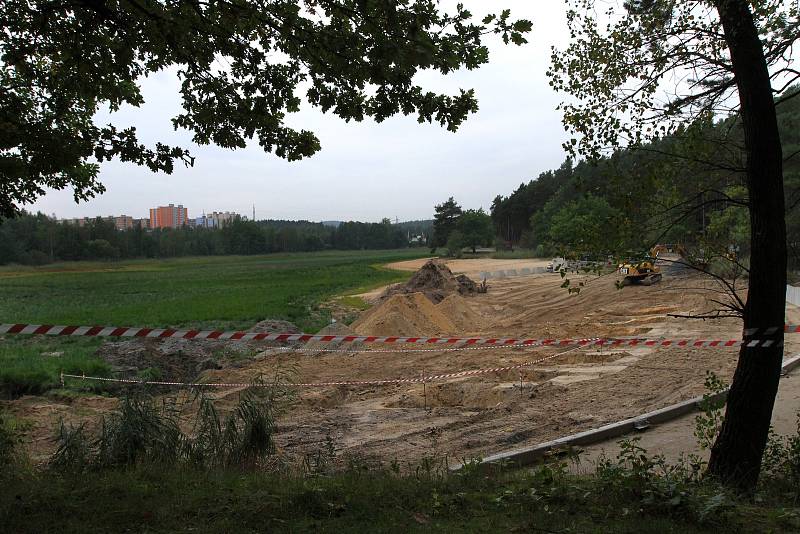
[(74, 451), (454, 244), (147, 432)]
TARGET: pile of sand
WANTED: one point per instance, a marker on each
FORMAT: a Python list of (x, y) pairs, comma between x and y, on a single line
[(333, 329), (458, 310), (405, 315), (436, 281)]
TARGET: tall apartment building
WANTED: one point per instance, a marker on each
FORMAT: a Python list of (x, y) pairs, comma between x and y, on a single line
[(171, 216), (123, 222), (216, 219)]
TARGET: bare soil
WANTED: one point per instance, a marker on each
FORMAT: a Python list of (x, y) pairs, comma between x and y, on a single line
[(477, 416)]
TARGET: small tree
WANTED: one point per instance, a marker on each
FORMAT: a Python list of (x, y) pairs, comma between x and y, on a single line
[(455, 244), (476, 228), (444, 221), (587, 225)]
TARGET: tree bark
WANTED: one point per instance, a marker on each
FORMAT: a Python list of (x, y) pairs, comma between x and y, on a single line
[(736, 455)]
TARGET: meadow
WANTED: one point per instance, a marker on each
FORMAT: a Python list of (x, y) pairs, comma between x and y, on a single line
[(225, 292)]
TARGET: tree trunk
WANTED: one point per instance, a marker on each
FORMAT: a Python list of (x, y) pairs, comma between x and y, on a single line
[(736, 455)]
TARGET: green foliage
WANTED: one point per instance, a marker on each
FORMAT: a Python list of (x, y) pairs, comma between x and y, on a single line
[(243, 439), (146, 431), (518, 254), (221, 292), (10, 443), (587, 225), (476, 229), (142, 431), (630, 493), (445, 221), (621, 60), (781, 464), (345, 55), (709, 422), (455, 244), (74, 449)]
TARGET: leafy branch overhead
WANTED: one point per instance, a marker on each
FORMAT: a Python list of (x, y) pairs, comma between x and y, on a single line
[(243, 67), (646, 71)]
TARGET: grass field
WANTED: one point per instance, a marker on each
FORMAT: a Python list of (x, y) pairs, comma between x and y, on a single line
[(231, 292)]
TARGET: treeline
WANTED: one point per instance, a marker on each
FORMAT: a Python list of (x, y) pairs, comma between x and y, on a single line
[(35, 239), (686, 189)]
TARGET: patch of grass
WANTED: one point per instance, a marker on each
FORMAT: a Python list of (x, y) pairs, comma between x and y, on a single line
[(229, 292), (169, 500), (34, 366), (518, 254), (352, 301)]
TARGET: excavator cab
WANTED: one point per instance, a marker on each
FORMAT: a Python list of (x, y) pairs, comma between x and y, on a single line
[(643, 271)]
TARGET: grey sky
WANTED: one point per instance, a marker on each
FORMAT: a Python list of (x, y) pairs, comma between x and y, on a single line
[(365, 171)]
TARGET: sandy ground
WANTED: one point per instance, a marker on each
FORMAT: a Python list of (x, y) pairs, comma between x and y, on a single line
[(472, 267), (478, 416)]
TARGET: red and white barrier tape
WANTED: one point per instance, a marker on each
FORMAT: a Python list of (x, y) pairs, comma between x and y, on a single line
[(157, 333), (378, 382)]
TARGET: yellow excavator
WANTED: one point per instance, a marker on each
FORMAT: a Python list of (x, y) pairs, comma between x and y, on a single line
[(644, 271)]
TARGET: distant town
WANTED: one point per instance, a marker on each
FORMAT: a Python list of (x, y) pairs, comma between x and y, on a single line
[(170, 216)]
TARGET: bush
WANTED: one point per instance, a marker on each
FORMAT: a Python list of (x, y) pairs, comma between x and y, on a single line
[(141, 432), (147, 432), (454, 244), (100, 249), (34, 257)]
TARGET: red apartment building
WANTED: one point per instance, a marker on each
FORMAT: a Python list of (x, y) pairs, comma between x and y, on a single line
[(168, 216)]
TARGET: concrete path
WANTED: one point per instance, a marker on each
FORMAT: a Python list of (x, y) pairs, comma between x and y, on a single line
[(675, 437)]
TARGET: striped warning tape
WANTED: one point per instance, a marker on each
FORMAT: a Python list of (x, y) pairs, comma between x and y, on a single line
[(158, 333), (378, 382)]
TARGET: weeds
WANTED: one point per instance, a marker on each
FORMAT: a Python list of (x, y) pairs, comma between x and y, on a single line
[(147, 432), (709, 422), (9, 441), (74, 452)]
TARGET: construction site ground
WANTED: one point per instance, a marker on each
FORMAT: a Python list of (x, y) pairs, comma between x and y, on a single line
[(471, 416)]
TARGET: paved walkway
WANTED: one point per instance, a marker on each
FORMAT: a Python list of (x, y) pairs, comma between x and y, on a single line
[(677, 436)]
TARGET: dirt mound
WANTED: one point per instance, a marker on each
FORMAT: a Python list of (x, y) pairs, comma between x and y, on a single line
[(180, 360), (457, 309), (333, 329), (436, 281), (275, 326), (405, 315)]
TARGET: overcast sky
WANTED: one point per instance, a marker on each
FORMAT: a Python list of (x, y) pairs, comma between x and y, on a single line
[(365, 171)]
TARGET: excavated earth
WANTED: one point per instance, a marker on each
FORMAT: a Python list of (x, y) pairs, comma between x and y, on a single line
[(479, 415)]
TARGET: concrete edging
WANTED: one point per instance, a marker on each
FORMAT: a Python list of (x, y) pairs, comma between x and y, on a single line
[(529, 455)]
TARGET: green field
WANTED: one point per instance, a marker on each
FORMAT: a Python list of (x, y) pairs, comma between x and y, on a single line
[(230, 292)]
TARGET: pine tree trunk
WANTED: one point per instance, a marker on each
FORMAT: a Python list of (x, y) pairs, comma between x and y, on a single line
[(736, 455)]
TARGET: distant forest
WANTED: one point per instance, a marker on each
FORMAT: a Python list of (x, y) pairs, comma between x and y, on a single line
[(687, 189), (35, 239)]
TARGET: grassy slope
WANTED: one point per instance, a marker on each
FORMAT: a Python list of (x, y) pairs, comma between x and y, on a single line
[(218, 292), (33, 366), (158, 500)]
